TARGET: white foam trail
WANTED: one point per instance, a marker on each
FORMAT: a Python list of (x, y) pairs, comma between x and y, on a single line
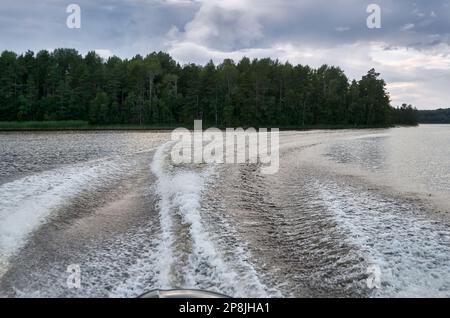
[(413, 253), (28, 202), (180, 194), (165, 243)]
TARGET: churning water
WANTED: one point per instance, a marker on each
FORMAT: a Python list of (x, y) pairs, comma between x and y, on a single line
[(342, 204)]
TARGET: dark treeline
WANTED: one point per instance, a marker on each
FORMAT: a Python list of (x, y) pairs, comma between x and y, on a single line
[(156, 90), (405, 115), (438, 116)]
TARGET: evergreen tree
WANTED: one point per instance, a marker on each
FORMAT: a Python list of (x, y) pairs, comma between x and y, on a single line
[(62, 85)]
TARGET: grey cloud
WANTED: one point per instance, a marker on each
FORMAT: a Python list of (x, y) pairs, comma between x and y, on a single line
[(121, 26), (223, 25), (306, 31)]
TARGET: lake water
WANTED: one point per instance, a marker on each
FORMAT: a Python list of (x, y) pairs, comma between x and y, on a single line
[(346, 208)]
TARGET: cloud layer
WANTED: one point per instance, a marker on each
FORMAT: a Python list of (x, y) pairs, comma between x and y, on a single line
[(411, 50)]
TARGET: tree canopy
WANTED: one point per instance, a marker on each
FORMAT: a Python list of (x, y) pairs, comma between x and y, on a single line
[(156, 90)]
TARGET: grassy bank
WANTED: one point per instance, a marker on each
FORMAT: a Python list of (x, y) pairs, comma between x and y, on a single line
[(72, 125), (30, 125), (84, 125)]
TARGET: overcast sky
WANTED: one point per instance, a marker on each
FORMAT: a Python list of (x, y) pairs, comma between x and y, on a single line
[(410, 50)]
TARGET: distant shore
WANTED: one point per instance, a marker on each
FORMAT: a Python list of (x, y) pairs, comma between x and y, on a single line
[(85, 126)]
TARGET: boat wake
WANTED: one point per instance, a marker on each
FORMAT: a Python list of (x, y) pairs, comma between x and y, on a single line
[(411, 252), (29, 202), (188, 256)]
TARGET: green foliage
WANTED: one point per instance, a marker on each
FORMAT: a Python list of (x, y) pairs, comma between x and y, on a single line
[(156, 91), (405, 115), (99, 110)]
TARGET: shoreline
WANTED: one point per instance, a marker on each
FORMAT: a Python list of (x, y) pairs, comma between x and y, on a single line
[(55, 126)]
